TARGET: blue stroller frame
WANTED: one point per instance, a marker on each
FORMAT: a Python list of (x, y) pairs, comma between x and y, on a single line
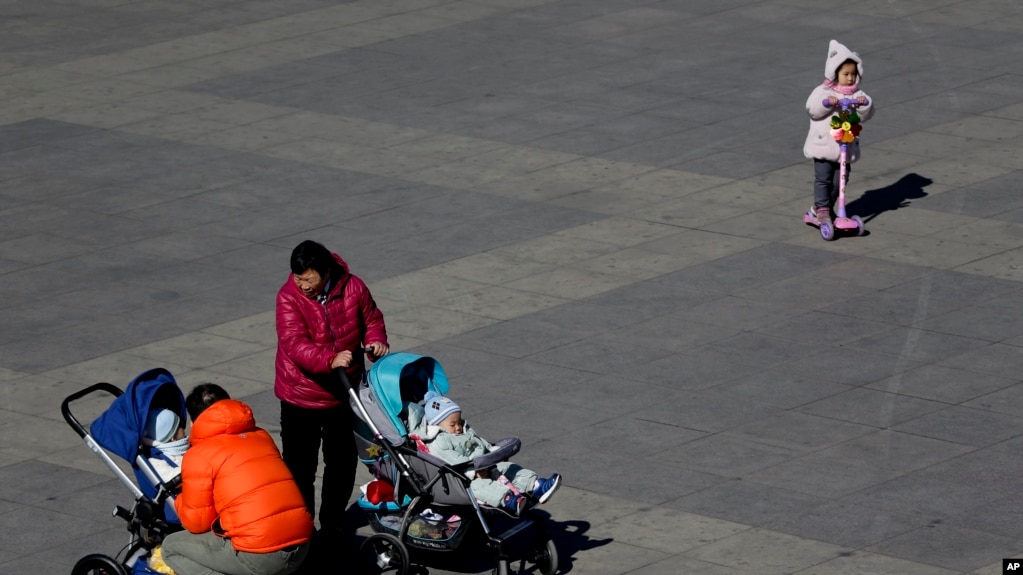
[(119, 430), (422, 481)]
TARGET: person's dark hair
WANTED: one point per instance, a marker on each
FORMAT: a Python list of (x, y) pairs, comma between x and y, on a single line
[(203, 396), (312, 255)]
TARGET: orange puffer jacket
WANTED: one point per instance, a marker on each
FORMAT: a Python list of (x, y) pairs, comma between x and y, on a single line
[(233, 472)]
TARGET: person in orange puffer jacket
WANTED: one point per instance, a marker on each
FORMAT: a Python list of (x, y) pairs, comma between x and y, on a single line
[(241, 508)]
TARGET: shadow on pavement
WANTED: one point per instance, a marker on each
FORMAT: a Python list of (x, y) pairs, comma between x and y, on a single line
[(889, 198)]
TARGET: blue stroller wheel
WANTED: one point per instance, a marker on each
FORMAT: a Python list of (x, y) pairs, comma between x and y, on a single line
[(97, 564)]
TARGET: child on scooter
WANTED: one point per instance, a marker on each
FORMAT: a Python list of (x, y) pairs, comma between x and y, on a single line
[(843, 70)]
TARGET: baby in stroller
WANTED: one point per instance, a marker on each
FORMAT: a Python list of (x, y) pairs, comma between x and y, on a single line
[(165, 439), (444, 433)]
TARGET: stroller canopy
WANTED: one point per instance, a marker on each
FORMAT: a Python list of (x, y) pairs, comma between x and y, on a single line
[(393, 380), (120, 428)]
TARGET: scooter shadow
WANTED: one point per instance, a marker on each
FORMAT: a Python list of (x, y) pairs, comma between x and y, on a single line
[(889, 198)]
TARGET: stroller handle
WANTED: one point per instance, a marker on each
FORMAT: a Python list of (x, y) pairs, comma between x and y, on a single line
[(65, 406)]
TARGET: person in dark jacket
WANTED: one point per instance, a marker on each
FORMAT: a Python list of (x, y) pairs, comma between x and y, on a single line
[(325, 315)]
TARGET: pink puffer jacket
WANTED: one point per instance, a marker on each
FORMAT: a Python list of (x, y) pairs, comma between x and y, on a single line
[(310, 334)]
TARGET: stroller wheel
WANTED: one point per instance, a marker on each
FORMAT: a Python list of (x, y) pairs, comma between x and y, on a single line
[(383, 552), (97, 564), (547, 558), (501, 568)]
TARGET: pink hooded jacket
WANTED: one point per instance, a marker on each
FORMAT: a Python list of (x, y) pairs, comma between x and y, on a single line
[(310, 334)]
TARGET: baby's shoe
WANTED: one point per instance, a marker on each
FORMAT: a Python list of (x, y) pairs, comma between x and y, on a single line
[(514, 503), (545, 487)]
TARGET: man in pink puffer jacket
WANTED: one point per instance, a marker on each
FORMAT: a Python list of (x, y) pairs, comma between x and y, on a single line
[(324, 314)]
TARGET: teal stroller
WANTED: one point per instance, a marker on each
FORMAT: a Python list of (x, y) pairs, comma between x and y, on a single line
[(418, 501)]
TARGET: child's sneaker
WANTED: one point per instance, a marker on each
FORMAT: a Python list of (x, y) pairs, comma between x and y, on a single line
[(545, 487), (513, 503), (823, 214)]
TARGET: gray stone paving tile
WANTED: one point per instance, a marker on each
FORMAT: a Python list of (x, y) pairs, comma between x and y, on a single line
[(994, 517), (984, 321), (848, 525), (1005, 400), (897, 451), (763, 350), (746, 502), (953, 386), (601, 355), (34, 132), (794, 430), (955, 547), (994, 359), (853, 366), (873, 407), (753, 267), (979, 428), (670, 333), (925, 497), (32, 482), (29, 529), (695, 370), (769, 551), (817, 326), (821, 476), (517, 338), (644, 439), (780, 388), (728, 455), (706, 410), (642, 482)]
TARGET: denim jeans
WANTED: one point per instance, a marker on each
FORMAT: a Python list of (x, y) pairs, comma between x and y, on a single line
[(826, 182)]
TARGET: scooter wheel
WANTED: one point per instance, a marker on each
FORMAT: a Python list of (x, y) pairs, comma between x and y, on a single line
[(860, 230), (827, 231)]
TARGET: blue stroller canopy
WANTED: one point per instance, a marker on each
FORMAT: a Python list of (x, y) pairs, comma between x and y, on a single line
[(119, 429), (395, 379)]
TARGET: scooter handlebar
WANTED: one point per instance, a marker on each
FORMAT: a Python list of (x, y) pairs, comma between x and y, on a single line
[(846, 103)]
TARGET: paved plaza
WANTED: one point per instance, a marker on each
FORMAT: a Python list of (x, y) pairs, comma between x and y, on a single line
[(589, 211)]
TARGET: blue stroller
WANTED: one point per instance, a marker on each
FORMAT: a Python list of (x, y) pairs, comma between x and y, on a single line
[(429, 504), (119, 430)]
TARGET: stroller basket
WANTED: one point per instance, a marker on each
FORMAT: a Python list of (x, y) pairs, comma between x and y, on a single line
[(444, 534)]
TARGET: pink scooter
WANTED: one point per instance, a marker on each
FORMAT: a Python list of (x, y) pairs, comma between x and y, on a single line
[(845, 127)]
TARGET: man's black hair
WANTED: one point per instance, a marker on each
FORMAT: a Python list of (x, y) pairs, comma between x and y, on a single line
[(203, 396)]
